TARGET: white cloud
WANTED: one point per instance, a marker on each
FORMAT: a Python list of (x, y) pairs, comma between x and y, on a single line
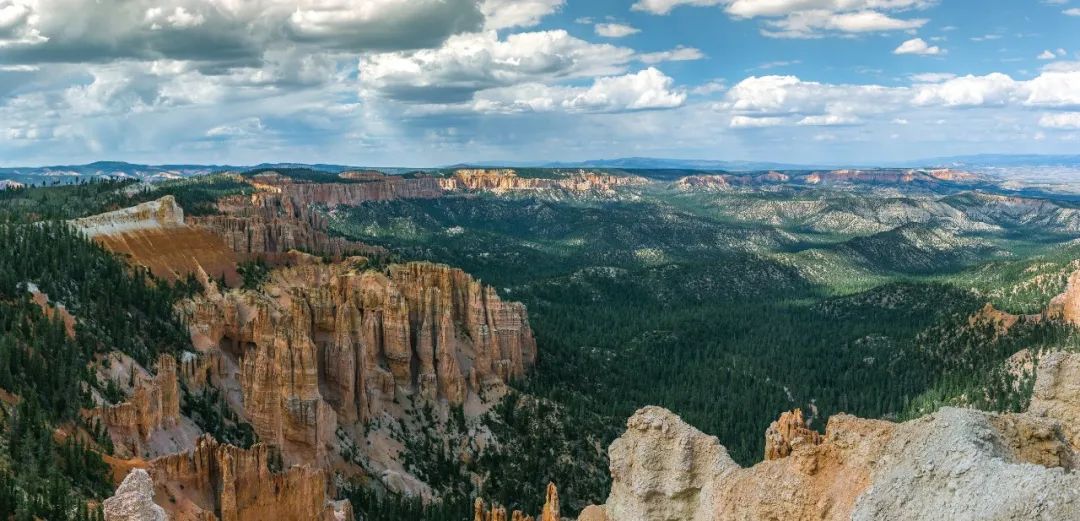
[(614, 30), (808, 18), (918, 46), (814, 103), (502, 14), (827, 120), (1061, 121), (246, 128), (665, 6), (645, 90), (1046, 55), (469, 63), (1074, 11), (968, 91), (752, 122), (678, 54)]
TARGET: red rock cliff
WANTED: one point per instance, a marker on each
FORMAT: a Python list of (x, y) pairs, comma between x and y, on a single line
[(225, 483)]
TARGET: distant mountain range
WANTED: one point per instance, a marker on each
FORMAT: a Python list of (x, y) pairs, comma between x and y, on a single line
[(1046, 167)]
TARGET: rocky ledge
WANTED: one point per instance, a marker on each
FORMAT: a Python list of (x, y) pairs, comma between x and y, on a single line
[(957, 464)]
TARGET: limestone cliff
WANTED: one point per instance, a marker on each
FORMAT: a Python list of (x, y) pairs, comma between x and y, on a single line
[(263, 237), (327, 344), (217, 482), (954, 464)]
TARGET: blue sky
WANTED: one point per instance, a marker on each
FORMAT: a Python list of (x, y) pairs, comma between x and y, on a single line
[(429, 82)]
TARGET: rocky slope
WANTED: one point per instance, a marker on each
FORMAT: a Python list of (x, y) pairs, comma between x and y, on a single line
[(155, 235), (1066, 306), (954, 464)]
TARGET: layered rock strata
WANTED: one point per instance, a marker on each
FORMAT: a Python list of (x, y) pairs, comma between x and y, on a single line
[(154, 235), (955, 464), (327, 344), (218, 482)]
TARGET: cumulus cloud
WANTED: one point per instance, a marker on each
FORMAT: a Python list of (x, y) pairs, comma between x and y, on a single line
[(812, 103), (614, 30), (1074, 11), (472, 62), (648, 89), (808, 18), (502, 14), (918, 46)]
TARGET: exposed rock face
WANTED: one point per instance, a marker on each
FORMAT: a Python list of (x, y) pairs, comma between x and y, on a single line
[(323, 343), (225, 483), (151, 411), (703, 183), (134, 500), (505, 180), (154, 235), (790, 430), (954, 464), (550, 511), (1066, 306), (1057, 393), (258, 236)]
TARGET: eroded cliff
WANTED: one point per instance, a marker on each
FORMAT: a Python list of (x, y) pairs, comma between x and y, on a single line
[(322, 345), (956, 464)]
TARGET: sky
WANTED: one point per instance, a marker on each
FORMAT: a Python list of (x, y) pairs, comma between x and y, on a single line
[(436, 82)]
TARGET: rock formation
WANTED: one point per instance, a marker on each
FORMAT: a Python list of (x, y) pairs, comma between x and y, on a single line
[(327, 343), (134, 500), (957, 464), (788, 431), (217, 482), (550, 510), (506, 180), (155, 236), (261, 237), (1066, 306), (149, 421)]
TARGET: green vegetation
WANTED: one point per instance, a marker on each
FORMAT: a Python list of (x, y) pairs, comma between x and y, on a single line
[(726, 318), (47, 371)]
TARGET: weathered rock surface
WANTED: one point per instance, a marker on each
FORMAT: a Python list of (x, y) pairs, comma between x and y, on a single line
[(149, 422), (550, 511), (260, 237), (506, 180), (787, 432), (954, 464), (155, 236), (323, 344), (1066, 306), (134, 500), (217, 482)]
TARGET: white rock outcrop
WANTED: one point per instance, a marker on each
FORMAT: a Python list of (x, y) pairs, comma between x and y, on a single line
[(956, 464), (134, 500)]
